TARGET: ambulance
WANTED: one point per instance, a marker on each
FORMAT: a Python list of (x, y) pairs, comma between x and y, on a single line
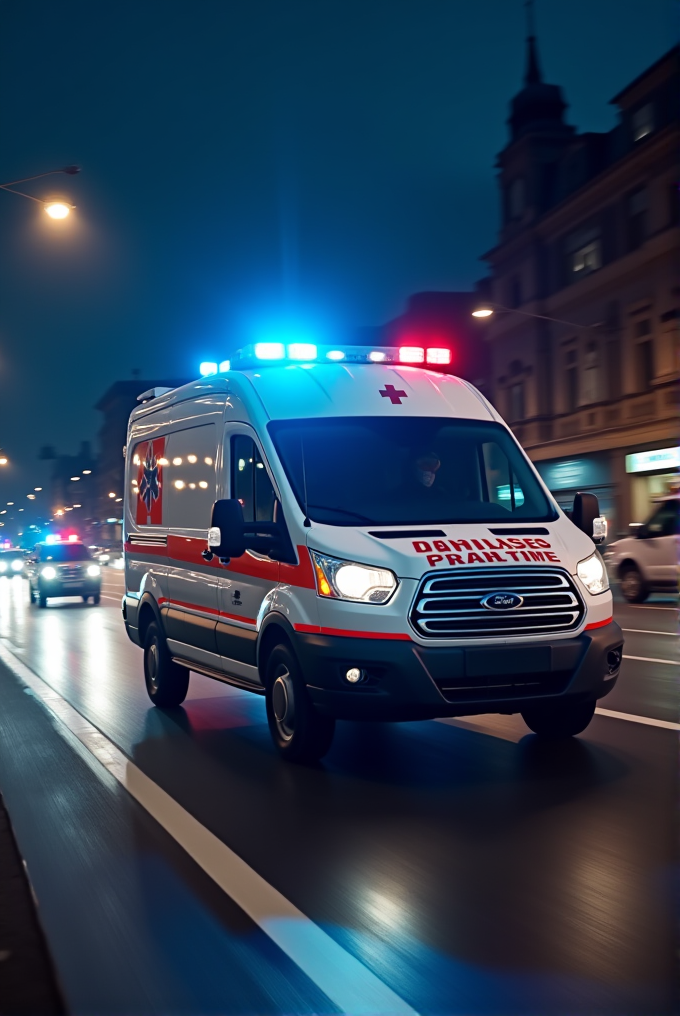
[(355, 535)]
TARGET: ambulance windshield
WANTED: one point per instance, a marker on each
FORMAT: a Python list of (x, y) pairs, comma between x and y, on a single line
[(379, 471)]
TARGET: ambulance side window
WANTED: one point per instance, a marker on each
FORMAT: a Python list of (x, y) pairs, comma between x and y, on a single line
[(497, 478), (250, 482), (189, 477)]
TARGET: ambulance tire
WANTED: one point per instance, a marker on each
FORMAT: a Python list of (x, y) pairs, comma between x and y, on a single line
[(167, 683), (96, 598), (300, 733), (42, 600), (556, 720)]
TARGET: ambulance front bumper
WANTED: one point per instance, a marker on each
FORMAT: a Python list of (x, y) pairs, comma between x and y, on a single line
[(402, 680)]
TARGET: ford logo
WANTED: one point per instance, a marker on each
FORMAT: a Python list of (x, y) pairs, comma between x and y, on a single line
[(502, 601)]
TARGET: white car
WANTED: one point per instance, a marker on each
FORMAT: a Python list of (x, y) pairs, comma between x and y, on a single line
[(647, 561)]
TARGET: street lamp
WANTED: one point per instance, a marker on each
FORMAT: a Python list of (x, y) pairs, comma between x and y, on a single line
[(486, 310), (55, 209)]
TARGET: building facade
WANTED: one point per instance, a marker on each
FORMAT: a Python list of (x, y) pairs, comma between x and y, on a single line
[(590, 236)]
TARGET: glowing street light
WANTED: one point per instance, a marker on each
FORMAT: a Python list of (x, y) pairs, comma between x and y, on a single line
[(3, 460), (483, 312), (486, 310), (56, 209)]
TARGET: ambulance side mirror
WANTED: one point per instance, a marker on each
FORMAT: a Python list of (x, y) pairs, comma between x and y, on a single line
[(586, 515), (226, 537)]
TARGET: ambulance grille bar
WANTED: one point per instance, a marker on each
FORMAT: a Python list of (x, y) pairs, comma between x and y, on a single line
[(449, 604)]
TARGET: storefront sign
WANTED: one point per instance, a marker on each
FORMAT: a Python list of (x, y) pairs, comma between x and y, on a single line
[(646, 462)]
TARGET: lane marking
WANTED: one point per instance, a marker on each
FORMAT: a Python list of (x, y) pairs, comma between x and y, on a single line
[(342, 977), (650, 659), (646, 631), (647, 720), (649, 606)]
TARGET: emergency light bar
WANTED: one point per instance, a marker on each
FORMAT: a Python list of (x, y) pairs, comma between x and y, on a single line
[(307, 353)]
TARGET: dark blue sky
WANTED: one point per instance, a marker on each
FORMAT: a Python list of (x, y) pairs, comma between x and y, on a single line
[(304, 162)]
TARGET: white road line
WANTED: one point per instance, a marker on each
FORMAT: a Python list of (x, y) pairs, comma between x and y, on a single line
[(343, 978), (650, 659), (650, 606), (114, 599), (645, 631), (647, 720)]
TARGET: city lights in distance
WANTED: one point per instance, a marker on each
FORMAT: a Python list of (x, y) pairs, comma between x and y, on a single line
[(57, 209), (3, 460), (37, 488), (74, 478), (412, 354), (31, 497), (206, 368), (86, 472), (111, 494), (439, 356), (482, 312)]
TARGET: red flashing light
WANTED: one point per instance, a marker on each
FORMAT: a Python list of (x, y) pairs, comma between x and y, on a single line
[(411, 354), (73, 538), (439, 356)]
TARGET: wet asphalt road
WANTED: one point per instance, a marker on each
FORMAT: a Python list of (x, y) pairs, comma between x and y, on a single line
[(472, 869)]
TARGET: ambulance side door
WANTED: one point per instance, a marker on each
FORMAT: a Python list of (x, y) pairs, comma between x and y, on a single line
[(245, 582)]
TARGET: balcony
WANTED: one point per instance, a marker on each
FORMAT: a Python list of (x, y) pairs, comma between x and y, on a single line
[(632, 418)]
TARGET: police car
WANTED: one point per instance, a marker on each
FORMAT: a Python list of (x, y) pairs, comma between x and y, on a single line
[(355, 535)]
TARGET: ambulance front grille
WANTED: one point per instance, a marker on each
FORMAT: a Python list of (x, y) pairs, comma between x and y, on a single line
[(449, 604)]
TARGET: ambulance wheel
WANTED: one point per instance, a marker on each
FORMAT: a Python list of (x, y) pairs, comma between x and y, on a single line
[(633, 585), (559, 719), (299, 732), (96, 599), (166, 682), (42, 600)]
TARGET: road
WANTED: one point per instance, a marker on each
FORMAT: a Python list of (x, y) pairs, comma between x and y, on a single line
[(445, 867)]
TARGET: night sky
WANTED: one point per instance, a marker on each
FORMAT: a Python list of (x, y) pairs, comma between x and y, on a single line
[(256, 166)]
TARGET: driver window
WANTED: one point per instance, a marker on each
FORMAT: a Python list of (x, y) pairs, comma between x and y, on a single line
[(664, 522), (250, 482)]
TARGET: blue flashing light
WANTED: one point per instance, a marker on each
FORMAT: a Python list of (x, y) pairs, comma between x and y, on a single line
[(50, 539), (269, 350), (207, 368), (335, 354), (225, 365), (302, 351)]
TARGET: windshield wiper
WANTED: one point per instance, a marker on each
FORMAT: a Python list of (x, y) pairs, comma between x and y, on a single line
[(344, 511)]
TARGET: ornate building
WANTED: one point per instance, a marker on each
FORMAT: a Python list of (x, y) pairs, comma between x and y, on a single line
[(590, 236)]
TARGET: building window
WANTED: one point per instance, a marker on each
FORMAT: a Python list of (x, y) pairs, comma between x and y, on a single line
[(584, 249), (516, 199), (591, 374), (572, 380), (643, 121), (516, 402), (637, 218), (515, 292), (645, 364)]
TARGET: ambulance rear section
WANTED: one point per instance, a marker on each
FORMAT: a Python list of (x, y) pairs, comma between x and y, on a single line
[(369, 544)]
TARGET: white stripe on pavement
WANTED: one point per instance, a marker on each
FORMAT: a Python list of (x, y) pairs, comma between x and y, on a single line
[(343, 978), (645, 631), (666, 724), (650, 659)]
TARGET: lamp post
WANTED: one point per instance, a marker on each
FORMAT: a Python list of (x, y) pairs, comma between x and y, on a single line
[(487, 310), (55, 209)]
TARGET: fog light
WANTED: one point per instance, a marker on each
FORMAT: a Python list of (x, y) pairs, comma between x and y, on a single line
[(613, 660), (354, 675)]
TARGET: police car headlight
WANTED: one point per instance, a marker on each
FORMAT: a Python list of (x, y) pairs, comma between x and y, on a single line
[(345, 580), (17, 565), (593, 574), (49, 572), (93, 570)]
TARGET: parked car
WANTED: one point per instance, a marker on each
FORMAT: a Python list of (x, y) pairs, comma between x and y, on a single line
[(63, 569), (647, 561)]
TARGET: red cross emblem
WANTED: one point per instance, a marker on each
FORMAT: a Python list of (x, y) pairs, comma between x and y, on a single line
[(391, 393)]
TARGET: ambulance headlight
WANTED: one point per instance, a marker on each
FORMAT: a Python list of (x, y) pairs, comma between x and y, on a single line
[(345, 580), (93, 570), (593, 574), (49, 573)]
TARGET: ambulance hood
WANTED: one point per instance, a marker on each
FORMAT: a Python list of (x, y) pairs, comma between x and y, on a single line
[(412, 552)]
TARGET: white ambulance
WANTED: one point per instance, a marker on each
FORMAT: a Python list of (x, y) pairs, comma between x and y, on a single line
[(357, 536)]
